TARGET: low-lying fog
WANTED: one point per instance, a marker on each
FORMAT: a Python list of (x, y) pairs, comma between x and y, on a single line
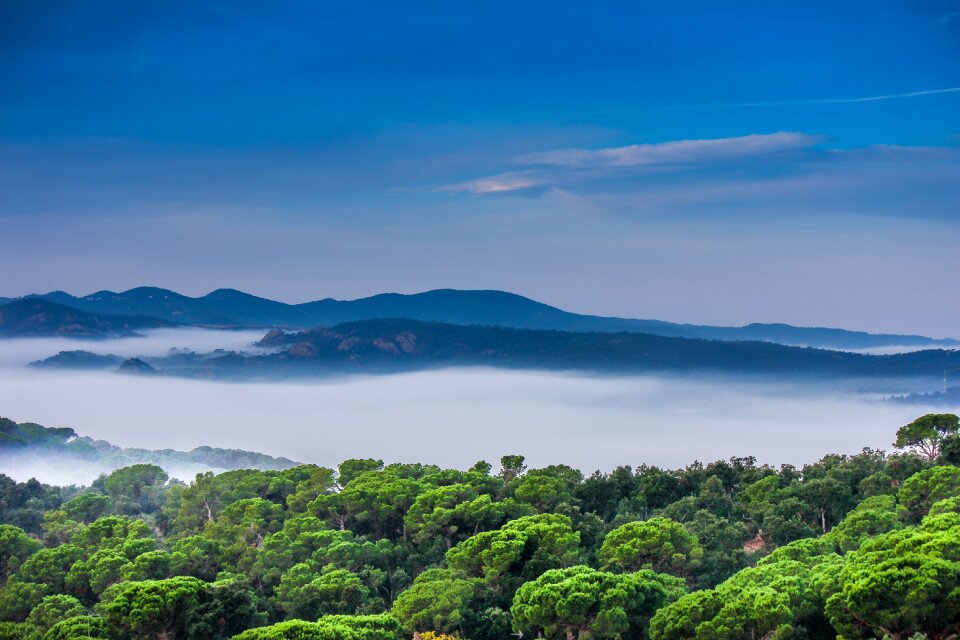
[(451, 418), (156, 342)]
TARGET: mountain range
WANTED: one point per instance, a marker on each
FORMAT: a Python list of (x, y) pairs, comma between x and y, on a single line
[(235, 309)]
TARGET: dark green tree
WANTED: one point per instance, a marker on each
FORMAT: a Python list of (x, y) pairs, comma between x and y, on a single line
[(136, 489), (926, 433), (152, 609), (15, 547)]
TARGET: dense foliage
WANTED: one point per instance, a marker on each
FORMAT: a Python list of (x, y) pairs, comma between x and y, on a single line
[(863, 546)]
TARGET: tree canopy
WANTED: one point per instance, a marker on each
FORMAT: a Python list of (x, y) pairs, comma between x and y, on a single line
[(853, 546)]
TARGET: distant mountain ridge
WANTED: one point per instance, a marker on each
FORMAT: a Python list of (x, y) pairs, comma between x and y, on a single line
[(232, 308), (41, 317)]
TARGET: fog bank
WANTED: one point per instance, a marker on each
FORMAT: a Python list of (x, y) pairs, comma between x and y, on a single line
[(76, 471), (455, 417), (18, 352)]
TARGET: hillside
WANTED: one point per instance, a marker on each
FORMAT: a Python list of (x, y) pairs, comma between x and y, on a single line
[(399, 343), (393, 345), (228, 307), (38, 317)]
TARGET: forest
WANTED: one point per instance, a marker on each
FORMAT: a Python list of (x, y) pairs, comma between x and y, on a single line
[(852, 546)]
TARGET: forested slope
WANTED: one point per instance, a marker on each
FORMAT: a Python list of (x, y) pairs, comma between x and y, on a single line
[(863, 546)]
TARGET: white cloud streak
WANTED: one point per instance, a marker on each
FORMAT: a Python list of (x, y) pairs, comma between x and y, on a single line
[(817, 101), (549, 168), (675, 152), (501, 183)]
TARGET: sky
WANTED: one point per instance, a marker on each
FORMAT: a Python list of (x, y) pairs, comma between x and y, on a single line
[(692, 161)]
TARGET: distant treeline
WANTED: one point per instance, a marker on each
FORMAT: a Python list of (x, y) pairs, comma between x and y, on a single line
[(396, 345), (409, 344), (862, 546), (61, 445)]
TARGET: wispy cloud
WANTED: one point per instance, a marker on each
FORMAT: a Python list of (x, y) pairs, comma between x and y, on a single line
[(675, 152), (501, 183), (550, 168), (817, 101)]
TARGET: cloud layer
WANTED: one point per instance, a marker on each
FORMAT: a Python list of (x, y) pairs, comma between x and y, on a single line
[(450, 418)]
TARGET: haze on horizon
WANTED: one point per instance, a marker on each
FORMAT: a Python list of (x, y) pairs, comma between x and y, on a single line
[(448, 417), (702, 163)]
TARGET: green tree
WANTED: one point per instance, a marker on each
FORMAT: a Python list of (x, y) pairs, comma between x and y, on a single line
[(349, 470), (947, 505), (90, 577), (921, 490), (438, 600), (304, 593), (50, 566), (152, 565), (152, 609), (367, 627), (87, 507), (54, 609), (900, 583), (81, 628), (950, 450), (372, 627), (452, 512), (776, 599), (372, 503), (542, 492), (18, 598), (713, 498), (517, 552), (19, 631), (511, 467), (659, 544), (124, 534), (241, 529), (580, 602), (722, 544), (926, 433), (320, 482), (870, 518), (295, 543), (225, 608), (828, 498), (196, 556), (481, 466), (136, 489), (15, 547)]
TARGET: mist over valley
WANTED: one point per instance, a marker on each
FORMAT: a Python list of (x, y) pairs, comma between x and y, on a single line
[(450, 416)]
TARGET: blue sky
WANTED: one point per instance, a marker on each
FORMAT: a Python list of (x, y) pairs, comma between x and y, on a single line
[(691, 161)]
